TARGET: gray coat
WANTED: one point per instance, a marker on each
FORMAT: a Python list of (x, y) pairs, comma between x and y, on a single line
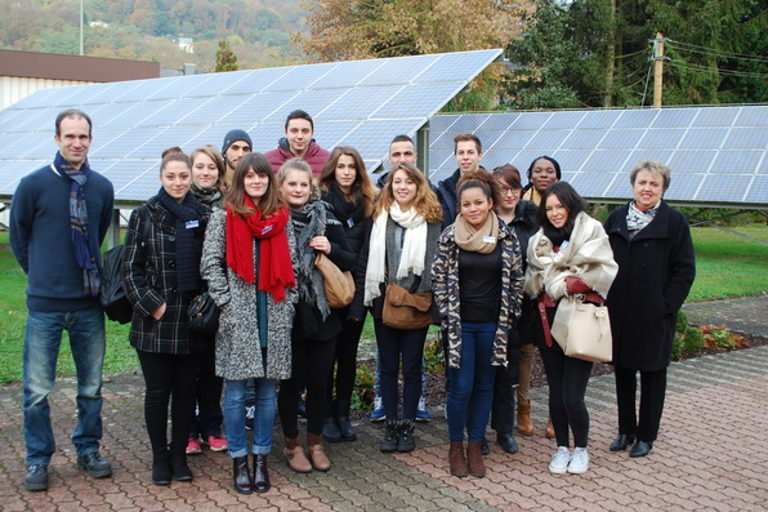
[(238, 355)]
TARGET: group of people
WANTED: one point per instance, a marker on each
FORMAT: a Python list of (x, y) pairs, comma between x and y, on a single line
[(492, 259)]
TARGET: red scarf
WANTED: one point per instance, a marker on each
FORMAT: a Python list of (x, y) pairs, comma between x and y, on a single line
[(275, 268)]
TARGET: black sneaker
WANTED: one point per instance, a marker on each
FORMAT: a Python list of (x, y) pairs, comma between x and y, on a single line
[(405, 441), (389, 443), (36, 478), (94, 465)]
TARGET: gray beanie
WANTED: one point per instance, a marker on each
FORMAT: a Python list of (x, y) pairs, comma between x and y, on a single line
[(234, 136)]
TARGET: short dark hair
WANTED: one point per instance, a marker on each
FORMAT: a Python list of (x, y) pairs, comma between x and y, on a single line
[(299, 114), (509, 174), (568, 197), (73, 112), (551, 160), (467, 137), (402, 138)]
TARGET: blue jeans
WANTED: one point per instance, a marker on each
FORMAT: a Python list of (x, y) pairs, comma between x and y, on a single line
[(396, 346), (263, 421), (472, 383), (41, 351)]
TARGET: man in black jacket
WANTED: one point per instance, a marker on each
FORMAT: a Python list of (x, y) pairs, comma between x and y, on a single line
[(468, 152)]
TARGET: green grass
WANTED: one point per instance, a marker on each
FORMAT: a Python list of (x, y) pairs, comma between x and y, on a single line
[(727, 266)]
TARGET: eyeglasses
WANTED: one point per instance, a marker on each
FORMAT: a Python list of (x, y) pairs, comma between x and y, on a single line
[(508, 190)]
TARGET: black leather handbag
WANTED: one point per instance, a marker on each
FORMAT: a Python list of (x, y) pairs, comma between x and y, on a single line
[(203, 314)]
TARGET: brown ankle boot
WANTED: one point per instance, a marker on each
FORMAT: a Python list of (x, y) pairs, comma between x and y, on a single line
[(457, 460), (475, 459), (550, 432), (294, 455), (524, 423), (317, 456)]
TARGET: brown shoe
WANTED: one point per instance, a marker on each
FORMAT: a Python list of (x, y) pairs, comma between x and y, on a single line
[(550, 432), (294, 455), (457, 460), (475, 459), (317, 455), (524, 423)]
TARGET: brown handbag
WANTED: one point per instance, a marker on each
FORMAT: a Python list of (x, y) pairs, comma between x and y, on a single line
[(339, 286), (405, 310)]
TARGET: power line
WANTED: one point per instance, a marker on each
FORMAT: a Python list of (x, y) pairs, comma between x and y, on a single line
[(727, 72), (712, 51)]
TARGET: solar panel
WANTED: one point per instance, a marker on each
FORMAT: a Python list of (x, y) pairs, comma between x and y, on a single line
[(359, 103), (716, 154)]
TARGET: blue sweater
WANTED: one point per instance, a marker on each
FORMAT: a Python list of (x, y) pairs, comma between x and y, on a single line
[(42, 242)]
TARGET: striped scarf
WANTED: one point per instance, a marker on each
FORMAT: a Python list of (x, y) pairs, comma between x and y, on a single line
[(78, 222)]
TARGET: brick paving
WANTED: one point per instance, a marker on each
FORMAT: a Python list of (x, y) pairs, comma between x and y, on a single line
[(711, 455)]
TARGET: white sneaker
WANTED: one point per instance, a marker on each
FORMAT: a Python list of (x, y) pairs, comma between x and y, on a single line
[(579, 462), (560, 459)]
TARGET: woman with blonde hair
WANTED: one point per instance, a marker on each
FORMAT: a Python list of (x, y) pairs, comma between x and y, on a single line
[(207, 173), (399, 249), (345, 185), (316, 324)]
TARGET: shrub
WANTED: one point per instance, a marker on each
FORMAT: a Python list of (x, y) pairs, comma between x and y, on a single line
[(682, 322), (677, 346), (693, 341), (362, 394)]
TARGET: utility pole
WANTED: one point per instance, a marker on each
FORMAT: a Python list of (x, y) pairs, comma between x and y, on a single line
[(81, 27), (658, 69)]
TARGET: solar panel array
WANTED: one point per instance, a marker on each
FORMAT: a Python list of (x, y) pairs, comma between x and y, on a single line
[(357, 103), (717, 154)]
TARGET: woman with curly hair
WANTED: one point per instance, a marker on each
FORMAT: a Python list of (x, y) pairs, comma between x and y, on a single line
[(399, 249)]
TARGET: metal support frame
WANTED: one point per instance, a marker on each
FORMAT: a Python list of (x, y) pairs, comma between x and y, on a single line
[(422, 149)]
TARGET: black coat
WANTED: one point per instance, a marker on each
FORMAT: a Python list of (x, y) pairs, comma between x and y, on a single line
[(149, 279), (656, 271)]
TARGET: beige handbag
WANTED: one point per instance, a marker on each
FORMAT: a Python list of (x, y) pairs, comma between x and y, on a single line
[(583, 330), (339, 286)]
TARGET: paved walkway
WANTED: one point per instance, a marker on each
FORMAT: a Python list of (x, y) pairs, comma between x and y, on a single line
[(711, 455)]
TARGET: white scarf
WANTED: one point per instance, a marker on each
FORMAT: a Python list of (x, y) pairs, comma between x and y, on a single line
[(411, 255)]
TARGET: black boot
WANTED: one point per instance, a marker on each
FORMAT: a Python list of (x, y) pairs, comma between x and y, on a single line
[(347, 431), (181, 471), (241, 479), (405, 441), (331, 431), (161, 468), (389, 443), (260, 478)]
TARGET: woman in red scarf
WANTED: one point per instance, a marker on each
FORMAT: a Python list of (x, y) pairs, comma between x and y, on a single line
[(247, 262)]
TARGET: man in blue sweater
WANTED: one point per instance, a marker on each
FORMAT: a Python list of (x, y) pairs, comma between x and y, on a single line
[(59, 217)]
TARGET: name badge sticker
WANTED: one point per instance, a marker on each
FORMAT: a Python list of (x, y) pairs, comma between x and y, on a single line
[(489, 239), (350, 222), (266, 230), (564, 245), (192, 224)]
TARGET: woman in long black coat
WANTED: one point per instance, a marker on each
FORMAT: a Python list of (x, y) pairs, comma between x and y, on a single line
[(652, 244)]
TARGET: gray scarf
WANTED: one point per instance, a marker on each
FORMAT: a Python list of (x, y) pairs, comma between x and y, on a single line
[(308, 223), (638, 219)]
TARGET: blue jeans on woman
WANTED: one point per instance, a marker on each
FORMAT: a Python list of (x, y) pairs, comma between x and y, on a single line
[(263, 420), (472, 382), (41, 351)]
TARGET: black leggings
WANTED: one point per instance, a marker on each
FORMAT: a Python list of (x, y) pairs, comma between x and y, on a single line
[(568, 378), (312, 361), (168, 376), (346, 361)]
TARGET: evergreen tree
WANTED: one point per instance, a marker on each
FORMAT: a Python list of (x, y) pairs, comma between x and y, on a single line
[(226, 60)]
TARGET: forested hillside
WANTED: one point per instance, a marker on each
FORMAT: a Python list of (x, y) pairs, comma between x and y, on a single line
[(257, 30)]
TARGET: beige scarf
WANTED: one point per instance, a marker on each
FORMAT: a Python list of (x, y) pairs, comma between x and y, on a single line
[(481, 240)]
